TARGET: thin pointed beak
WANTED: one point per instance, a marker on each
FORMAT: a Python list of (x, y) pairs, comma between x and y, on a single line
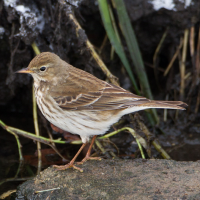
[(25, 70)]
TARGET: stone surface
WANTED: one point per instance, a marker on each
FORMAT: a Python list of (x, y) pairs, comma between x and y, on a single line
[(118, 179)]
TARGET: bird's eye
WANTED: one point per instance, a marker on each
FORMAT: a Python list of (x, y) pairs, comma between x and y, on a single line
[(43, 68)]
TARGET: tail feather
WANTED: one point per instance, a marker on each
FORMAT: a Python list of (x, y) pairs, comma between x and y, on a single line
[(168, 104)]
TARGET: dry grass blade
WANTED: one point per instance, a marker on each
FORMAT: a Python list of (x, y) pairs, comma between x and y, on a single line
[(165, 110), (197, 64), (159, 45), (103, 44), (174, 57), (156, 54), (35, 117), (182, 67), (7, 194), (155, 143), (99, 61), (140, 141), (198, 71), (192, 41), (195, 59)]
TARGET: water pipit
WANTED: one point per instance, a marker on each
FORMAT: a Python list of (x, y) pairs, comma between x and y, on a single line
[(78, 102)]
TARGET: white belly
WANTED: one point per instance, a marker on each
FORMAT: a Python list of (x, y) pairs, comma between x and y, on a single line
[(84, 123)]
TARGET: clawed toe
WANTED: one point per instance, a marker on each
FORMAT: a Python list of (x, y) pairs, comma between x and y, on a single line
[(88, 158), (67, 166)]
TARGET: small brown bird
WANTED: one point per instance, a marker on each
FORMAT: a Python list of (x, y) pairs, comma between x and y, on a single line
[(80, 103)]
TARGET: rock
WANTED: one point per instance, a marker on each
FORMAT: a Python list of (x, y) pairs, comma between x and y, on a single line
[(117, 179)]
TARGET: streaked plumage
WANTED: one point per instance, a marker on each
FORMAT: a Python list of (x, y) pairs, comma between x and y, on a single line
[(87, 105), (80, 103)]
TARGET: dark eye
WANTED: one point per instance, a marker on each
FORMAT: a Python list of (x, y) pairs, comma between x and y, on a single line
[(43, 68)]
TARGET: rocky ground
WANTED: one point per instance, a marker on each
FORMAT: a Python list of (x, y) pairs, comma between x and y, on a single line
[(117, 179)]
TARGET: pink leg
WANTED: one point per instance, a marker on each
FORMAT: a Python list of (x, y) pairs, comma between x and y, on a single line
[(87, 157), (71, 164)]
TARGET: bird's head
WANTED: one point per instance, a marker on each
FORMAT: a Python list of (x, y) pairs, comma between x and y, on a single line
[(44, 66)]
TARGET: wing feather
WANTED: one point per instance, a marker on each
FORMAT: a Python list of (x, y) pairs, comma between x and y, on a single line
[(83, 91), (108, 99)]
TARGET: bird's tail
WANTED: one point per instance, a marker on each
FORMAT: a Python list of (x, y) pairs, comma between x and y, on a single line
[(167, 104)]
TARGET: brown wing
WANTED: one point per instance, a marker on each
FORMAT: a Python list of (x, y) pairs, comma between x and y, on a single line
[(82, 91)]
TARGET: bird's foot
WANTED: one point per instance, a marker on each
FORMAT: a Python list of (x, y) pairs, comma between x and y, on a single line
[(88, 158), (69, 165)]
